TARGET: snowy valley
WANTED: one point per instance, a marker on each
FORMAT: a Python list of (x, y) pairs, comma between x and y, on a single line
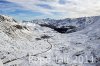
[(40, 43)]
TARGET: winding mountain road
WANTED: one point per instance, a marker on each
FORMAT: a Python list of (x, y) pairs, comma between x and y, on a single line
[(9, 61)]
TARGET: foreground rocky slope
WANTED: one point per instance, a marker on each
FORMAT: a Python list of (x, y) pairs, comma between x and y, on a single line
[(28, 44), (18, 40)]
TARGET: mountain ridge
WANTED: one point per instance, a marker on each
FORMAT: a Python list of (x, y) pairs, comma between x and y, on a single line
[(74, 25)]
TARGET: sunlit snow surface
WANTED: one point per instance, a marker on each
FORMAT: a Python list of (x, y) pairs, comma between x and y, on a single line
[(28, 44)]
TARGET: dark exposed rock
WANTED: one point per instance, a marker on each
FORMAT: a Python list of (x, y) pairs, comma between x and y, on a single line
[(18, 26), (63, 29)]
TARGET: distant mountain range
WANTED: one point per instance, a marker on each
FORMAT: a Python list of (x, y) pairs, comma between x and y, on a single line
[(67, 25)]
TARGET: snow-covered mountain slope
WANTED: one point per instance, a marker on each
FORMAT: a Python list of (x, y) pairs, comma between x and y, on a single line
[(67, 25), (28, 44), (18, 40)]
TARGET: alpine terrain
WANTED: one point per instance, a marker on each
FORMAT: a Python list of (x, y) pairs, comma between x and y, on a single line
[(49, 42)]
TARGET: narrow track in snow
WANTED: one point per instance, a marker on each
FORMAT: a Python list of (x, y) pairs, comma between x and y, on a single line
[(31, 55)]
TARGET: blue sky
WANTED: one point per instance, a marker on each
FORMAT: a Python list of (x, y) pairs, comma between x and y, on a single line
[(17, 11), (57, 9)]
